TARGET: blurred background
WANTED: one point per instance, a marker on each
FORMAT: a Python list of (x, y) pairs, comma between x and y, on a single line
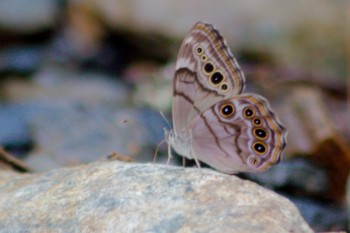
[(85, 80)]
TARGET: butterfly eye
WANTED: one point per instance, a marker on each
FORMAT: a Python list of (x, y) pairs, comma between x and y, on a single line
[(248, 113), (216, 78), (224, 87), (259, 148), (257, 122), (199, 50), (260, 133), (253, 161), (208, 68), (227, 110)]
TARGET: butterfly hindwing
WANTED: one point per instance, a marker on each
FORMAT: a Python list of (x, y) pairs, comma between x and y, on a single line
[(239, 134)]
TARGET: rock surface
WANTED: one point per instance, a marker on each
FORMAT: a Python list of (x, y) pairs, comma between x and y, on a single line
[(115, 196)]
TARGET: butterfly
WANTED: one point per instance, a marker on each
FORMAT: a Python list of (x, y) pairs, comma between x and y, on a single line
[(213, 121)]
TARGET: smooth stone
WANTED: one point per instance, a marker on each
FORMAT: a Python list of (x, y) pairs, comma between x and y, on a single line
[(14, 130), (24, 16), (269, 25), (76, 118), (321, 216), (59, 84), (163, 16), (21, 59), (297, 173), (126, 197), (307, 186), (83, 134)]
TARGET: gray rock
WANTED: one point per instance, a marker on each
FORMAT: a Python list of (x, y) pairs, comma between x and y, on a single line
[(69, 134), (264, 25), (21, 59), (13, 126), (320, 215), (298, 173), (76, 118), (120, 197), (163, 16), (310, 186), (28, 16)]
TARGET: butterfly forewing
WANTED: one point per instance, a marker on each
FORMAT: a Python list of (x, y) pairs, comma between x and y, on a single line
[(206, 72)]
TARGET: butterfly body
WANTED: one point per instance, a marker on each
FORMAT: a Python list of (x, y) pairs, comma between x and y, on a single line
[(181, 142), (213, 122)]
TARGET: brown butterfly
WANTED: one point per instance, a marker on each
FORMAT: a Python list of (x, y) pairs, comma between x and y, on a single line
[(213, 122)]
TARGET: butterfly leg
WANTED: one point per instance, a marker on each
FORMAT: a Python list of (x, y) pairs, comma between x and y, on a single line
[(183, 161), (170, 156), (196, 160), (156, 152)]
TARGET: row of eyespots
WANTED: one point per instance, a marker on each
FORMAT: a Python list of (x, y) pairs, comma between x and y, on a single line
[(216, 77), (259, 133)]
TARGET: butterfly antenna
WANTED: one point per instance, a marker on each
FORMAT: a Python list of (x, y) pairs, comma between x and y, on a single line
[(166, 120), (157, 149)]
